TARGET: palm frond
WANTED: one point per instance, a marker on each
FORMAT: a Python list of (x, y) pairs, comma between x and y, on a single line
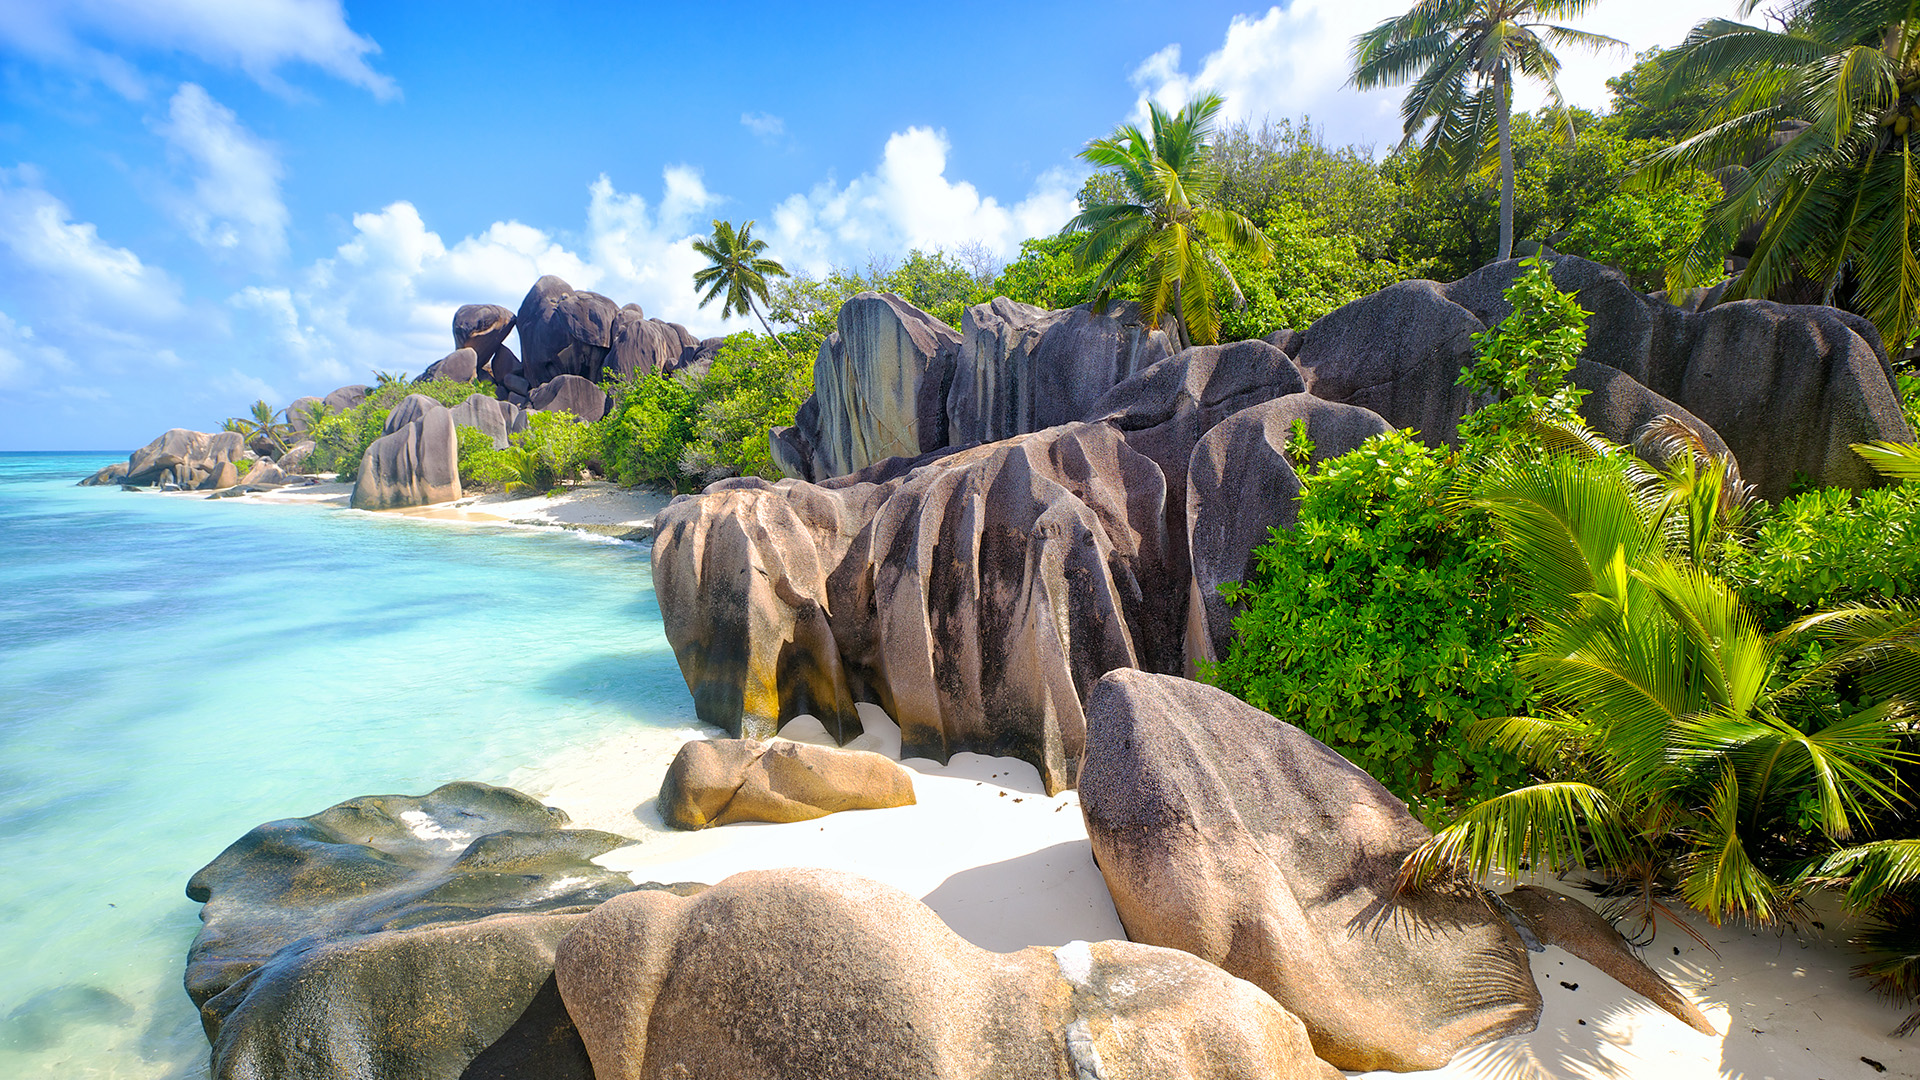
[(1545, 827)]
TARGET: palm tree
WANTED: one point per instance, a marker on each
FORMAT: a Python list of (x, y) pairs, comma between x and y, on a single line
[(1833, 98), (736, 269), (1677, 751), (1170, 231), (1462, 57), (262, 426)]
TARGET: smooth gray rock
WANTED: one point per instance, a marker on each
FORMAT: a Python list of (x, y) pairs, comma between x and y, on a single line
[(1398, 352), (460, 365), (486, 415), (187, 457), (1241, 486), (482, 328), (509, 375), (416, 465), (571, 394), (1620, 408), (347, 397), (564, 331), (412, 407), (296, 457), (115, 473), (880, 383), (1022, 368), (640, 344), (298, 412), (1234, 836)]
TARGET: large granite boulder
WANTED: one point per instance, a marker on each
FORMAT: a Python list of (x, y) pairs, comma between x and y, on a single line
[(411, 408), (648, 345), (486, 415), (509, 375), (1789, 388), (723, 781), (571, 394), (815, 975), (184, 457), (1022, 368), (295, 460), (482, 328), (347, 397), (369, 933), (1234, 836), (115, 473), (1620, 408), (880, 388), (460, 365), (974, 594), (1397, 352), (1242, 484), (299, 414), (416, 465), (564, 331)]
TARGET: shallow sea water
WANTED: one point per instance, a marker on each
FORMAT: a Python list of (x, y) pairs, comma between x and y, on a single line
[(174, 671)]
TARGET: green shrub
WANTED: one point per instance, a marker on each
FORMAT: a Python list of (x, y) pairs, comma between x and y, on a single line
[(1909, 382), (1523, 362), (753, 387), (1829, 547), (648, 428), (445, 391), (1381, 624)]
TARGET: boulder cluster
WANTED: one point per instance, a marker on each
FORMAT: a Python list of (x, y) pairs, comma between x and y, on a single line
[(467, 934), (982, 523), (572, 339)]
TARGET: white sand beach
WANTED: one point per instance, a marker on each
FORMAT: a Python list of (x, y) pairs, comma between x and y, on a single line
[(596, 507), (1007, 867)]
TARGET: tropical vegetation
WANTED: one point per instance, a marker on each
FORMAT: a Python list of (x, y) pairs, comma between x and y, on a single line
[(736, 272)]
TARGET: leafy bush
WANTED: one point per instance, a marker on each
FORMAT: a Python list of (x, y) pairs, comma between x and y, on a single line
[(1523, 363), (341, 439), (445, 391), (648, 428), (1381, 624), (1832, 546)]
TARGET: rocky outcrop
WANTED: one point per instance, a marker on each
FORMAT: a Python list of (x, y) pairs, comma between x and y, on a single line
[(115, 473), (1242, 484), (509, 376), (1561, 920), (1620, 408), (347, 397), (299, 414), (975, 601), (1397, 352), (482, 328), (460, 365), (723, 781), (411, 408), (1234, 836), (815, 975), (184, 458), (412, 932), (571, 394), (494, 418), (648, 346), (880, 387), (295, 459), (417, 464), (564, 331), (1022, 368)]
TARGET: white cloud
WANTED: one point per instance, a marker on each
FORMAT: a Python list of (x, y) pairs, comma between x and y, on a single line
[(256, 36), (24, 359), (1296, 61), (765, 125), (909, 202), (234, 209), (63, 269)]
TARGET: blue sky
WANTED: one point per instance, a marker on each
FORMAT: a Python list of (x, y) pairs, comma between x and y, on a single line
[(207, 201)]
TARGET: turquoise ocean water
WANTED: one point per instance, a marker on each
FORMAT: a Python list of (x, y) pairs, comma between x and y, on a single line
[(175, 671)]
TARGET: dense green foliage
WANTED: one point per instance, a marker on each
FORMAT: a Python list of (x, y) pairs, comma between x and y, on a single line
[(687, 431), (1381, 624), (341, 438), (1832, 546)]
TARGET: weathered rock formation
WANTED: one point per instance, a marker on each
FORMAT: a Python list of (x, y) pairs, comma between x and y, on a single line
[(1022, 368), (186, 459), (509, 376), (564, 331), (1236, 837), (880, 390), (497, 419), (482, 328), (1241, 485), (1561, 920), (416, 464), (395, 936), (295, 459), (299, 413), (460, 365), (723, 781), (346, 397), (411, 408), (571, 394), (651, 346), (815, 975), (115, 473)]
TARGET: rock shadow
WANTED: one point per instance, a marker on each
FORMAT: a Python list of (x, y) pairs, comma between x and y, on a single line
[(1045, 897)]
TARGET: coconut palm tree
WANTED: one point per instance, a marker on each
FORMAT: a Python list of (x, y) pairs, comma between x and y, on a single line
[(1675, 751), (1818, 145), (263, 426), (737, 272), (1169, 231), (1462, 57)]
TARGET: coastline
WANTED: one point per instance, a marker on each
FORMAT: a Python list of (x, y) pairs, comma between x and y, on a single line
[(1006, 867)]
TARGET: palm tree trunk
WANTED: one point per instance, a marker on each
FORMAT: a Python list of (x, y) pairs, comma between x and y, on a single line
[(1180, 317), (763, 322), (1505, 89)]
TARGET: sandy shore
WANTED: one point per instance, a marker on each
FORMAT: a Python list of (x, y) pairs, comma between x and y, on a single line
[(598, 507), (1007, 867)]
